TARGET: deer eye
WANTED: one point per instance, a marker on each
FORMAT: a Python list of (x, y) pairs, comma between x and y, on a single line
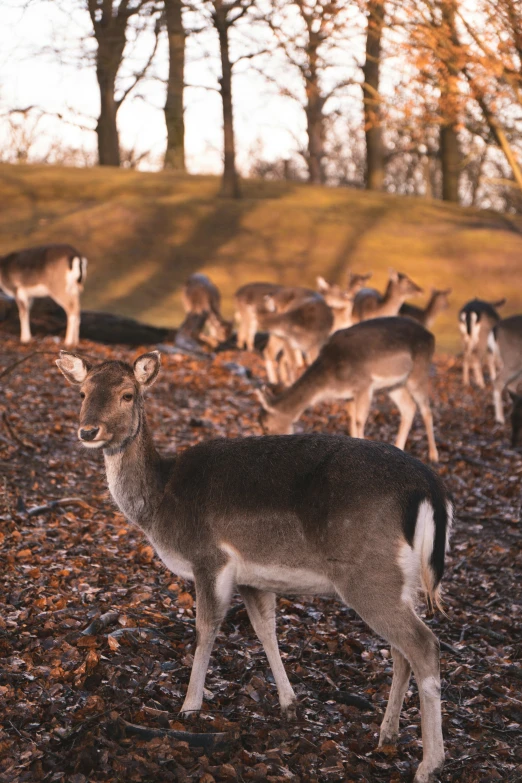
[(128, 397)]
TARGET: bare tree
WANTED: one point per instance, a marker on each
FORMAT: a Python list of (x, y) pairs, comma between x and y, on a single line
[(174, 111), (375, 154)]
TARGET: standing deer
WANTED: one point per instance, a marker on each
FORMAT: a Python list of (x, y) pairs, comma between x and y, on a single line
[(57, 271), (250, 299), (370, 303), (341, 300), (437, 303), (476, 320), (202, 298), (382, 353), (506, 342), (299, 514)]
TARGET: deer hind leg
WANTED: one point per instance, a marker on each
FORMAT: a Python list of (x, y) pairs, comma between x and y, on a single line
[(72, 334), (389, 733), (24, 308), (492, 365), (476, 366), (465, 366), (406, 405), (271, 354), (421, 397), (396, 621), (261, 606), (213, 594), (362, 401)]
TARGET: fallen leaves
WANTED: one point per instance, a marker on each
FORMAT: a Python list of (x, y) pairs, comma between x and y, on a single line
[(97, 636)]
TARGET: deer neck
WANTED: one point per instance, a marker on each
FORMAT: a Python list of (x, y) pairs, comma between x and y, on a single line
[(432, 309), (136, 477), (305, 391), (392, 300)]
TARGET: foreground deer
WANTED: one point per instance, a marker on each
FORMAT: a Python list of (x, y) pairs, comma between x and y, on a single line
[(437, 303), (300, 514), (476, 320), (57, 271), (382, 353), (341, 300), (202, 298), (506, 341), (370, 303)]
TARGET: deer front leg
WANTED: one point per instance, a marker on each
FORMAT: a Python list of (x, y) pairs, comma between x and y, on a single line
[(24, 307), (213, 593)]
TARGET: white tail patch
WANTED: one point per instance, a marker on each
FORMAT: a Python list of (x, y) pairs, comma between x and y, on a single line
[(74, 275), (415, 560), (492, 343)]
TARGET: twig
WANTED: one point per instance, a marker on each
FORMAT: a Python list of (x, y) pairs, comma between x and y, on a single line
[(56, 503), (207, 741), (12, 366), (343, 697), (100, 623), (13, 434)]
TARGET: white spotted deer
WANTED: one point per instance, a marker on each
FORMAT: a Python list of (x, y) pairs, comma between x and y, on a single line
[(370, 303), (202, 304), (382, 353), (476, 320), (57, 271), (437, 303), (301, 514)]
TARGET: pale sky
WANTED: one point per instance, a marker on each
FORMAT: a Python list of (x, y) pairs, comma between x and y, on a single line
[(31, 74)]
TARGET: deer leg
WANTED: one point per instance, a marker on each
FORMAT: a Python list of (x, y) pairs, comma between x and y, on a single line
[(270, 354), (401, 676), (476, 366), (421, 397), (350, 407), (406, 405), (465, 368), (250, 328), (72, 334), (500, 383), (362, 401), (396, 621), (24, 308), (260, 606), (213, 594), (492, 366)]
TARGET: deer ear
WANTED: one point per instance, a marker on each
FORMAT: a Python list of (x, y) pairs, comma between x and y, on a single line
[(73, 367), (394, 275), (146, 368), (265, 398), (322, 285)]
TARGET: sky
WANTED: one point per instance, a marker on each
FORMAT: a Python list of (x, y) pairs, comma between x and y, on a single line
[(46, 61)]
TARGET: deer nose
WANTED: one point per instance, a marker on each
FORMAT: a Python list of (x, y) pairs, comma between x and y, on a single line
[(89, 433)]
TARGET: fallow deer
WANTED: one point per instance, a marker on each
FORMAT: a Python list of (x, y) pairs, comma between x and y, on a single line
[(437, 303), (340, 300), (370, 303), (476, 320), (249, 299), (381, 353), (300, 514), (506, 342), (201, 297), (57, 271)]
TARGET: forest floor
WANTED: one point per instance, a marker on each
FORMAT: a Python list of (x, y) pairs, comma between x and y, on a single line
[(70, 682)]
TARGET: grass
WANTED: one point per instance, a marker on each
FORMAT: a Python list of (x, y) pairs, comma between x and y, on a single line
[(144, 233)]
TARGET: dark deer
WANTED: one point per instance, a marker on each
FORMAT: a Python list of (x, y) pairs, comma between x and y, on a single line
[(300, 514), (437, 303), (57, 271)]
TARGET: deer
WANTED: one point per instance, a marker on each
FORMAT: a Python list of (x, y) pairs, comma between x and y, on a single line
[(437, 303), (249, 299), (312, 514), (391, 353), (370, 303), (58, 271), (341, 300), (476, 320), (299, 324), (201, 298), (505, 342)]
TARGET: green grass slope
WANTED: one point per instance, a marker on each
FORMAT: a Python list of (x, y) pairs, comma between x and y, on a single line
[(144, 233)]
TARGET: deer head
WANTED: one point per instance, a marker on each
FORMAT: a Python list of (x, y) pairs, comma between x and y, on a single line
[(273, 421), (111, 411)]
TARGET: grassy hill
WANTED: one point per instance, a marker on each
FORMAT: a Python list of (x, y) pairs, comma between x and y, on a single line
[(144, 233)]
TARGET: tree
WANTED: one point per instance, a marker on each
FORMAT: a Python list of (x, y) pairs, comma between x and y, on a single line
[(174, 112), (375, 156), (110, 22)]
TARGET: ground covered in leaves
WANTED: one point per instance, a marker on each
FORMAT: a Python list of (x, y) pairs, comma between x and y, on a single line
[(95, 634)]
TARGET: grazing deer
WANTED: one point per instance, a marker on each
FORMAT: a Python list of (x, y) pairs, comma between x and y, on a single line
[(300, 331), (57, 271), (476, 320), (506, 342), (202, 298), (250, 298), (341, 300), (370, 303), (382, 353), (301, 514), (437, 303)]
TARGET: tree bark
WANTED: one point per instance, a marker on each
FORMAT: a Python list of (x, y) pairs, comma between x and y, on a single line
[(230, 182), (375, 156), (314, 113), (107, 128), (174, 117), (449, 148)]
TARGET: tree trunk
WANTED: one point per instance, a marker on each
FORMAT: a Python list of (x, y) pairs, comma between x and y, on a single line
[(174, 118), (375, 158), (107, 129), (449, 148), (230, 182)]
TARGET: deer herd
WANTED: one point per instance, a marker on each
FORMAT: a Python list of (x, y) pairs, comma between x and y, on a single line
[(310, 514)]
